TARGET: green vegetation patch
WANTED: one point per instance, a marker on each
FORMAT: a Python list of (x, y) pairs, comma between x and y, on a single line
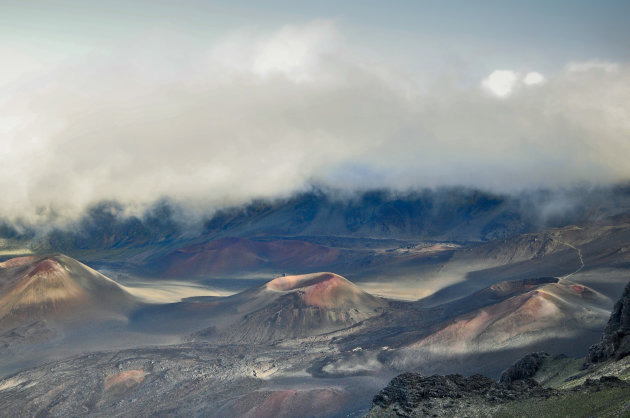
[(554, 371), (620, 368), (614, 402)]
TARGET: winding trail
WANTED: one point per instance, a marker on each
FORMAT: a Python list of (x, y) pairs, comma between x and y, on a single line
[(579, 253)]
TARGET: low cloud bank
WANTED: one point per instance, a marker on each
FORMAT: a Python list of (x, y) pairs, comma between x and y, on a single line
[(265, 114)]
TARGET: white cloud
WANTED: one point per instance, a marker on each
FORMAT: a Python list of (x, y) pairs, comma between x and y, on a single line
[(533, 78), (500, 82), (262, 113), (297, 53), (585, 66)]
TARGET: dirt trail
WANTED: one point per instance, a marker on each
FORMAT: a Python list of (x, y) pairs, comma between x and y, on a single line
[(579, 254)]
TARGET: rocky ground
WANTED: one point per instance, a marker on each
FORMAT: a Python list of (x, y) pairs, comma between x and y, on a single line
[(411, 395), (536, 385), (615, 341), (185, 380)]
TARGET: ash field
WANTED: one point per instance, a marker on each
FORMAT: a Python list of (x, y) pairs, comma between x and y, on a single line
[(302, 307)]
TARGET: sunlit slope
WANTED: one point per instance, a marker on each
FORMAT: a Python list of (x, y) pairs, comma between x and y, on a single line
[(57, 288), (552, 310), (296, 306)]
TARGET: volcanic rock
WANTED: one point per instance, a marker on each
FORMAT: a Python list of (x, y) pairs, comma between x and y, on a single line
[(412, 394), (615, 341), (525, 368)]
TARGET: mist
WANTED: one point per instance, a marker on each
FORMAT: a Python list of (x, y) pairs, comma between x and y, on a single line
[(267, 113)]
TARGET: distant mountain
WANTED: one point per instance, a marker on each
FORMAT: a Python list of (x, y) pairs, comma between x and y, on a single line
[(427, 214), (455, 214), (106, 226)]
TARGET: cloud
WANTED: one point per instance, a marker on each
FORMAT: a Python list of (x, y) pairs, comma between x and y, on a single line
[(501, 82), (593, 65), (533, 78), (262, 113), (295, 53)]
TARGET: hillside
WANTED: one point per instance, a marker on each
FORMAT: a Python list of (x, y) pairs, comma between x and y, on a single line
[(298, 306), (537, 385), (58, 290)]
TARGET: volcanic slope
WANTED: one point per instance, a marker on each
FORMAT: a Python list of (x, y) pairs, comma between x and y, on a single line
[(537, 385), (562, 316), (483, 331), (597, 255), (299, 306), (58, 289)]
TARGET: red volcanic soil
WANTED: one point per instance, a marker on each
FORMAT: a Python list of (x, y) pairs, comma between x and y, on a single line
[(299, 306), (125, 380), (45, 268), (520, 314), (273, 404), (33, 288), (17, 261), (227, 255), (507, 288), (554, 307), (324, 290), (44, 288), (287, 403), (578, 288), (307, 280)]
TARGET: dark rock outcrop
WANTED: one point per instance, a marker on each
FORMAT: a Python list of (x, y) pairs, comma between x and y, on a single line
[(603, 383), (412, 394), (525, 368), (615, 341)]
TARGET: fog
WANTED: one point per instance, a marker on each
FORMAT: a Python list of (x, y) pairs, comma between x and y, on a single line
[(265, 113)]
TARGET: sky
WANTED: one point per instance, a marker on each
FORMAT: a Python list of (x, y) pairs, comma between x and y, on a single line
[(216, 103)]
